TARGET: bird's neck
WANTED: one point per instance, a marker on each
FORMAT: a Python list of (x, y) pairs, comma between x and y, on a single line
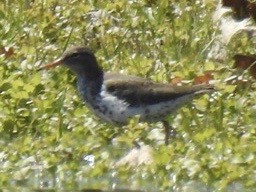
[(89, 87)]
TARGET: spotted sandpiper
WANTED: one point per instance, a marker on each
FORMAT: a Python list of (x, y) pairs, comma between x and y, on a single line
[(116, 97)]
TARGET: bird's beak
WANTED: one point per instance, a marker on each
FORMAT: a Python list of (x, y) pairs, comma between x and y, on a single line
[(50, 65)]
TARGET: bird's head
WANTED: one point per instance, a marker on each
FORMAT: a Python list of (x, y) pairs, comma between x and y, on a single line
[(80, 60)]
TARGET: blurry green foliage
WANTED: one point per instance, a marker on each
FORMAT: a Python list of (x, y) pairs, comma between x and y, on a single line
[(49, 139)]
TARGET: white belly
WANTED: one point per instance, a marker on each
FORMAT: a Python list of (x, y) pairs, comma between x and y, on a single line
[(112, 109)]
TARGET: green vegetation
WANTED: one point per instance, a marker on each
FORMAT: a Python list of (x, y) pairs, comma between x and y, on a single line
[(50, 140)]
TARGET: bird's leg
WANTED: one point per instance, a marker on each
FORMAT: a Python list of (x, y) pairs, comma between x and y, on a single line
[(136, 144), (169, 131)]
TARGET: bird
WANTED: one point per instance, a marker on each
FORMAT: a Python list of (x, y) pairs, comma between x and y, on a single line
[(116, 98)]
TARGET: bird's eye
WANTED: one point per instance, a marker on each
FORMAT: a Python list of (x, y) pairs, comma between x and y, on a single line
[(75, 55)]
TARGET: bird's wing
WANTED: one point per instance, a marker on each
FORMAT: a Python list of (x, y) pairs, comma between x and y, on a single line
[(139, 91)]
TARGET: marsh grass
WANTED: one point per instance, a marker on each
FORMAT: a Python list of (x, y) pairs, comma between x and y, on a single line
[(50, 140)]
